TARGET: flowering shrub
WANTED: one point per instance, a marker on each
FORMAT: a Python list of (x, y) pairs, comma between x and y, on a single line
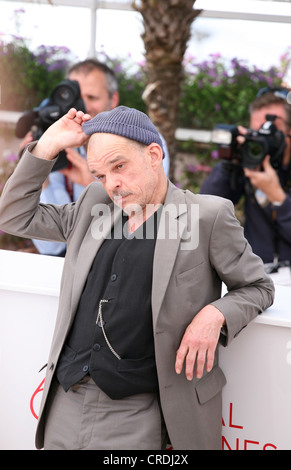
[(131, 79), (28, 77), (217, 92), (8, 163), (196, 171), (9, 242)]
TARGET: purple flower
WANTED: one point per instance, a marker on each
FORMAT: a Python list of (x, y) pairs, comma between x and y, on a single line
[(216, 55), (118, 68), (192, 168), (11, 158), (212, 73)]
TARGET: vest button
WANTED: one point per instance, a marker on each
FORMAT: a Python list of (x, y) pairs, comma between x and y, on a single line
[(85, 368), (96, 347), (113, 277)]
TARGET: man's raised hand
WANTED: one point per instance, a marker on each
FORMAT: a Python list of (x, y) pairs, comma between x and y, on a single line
[(65, 133)]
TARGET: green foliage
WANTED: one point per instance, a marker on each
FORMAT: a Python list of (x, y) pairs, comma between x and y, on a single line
[(213, 91), (10, 242), (131, 79), (217, 92), (28, 77), (194, 173)]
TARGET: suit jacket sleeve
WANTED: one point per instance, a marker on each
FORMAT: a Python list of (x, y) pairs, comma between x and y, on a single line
[(249, 290), (21, 212)]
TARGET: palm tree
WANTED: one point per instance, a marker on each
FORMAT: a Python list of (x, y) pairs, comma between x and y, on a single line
[(167, 29)]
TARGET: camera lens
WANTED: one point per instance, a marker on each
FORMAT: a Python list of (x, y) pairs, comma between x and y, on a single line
[(64, 94), (255, 151)]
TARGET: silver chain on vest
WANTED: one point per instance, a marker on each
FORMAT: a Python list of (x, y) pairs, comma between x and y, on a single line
[(100, 318)]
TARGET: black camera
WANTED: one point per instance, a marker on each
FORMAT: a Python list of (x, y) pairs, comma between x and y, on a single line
[(268, 140), (65, 96)]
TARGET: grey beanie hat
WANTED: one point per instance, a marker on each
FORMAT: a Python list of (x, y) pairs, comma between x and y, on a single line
[(126, 122)]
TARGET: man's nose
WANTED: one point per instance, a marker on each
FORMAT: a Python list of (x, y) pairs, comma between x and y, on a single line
[(113, 182)]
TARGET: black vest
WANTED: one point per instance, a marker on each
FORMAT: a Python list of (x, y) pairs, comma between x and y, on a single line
[(112, 334)]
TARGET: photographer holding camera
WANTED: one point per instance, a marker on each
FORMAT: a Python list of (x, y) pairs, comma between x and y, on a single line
[(255, 164)]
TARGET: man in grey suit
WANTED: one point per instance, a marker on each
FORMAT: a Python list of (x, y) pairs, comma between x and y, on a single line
[(134, 357)]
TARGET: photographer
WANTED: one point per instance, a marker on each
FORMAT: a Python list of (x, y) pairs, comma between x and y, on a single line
[(266, 188)]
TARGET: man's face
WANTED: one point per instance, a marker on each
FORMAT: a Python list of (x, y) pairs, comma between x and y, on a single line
[(94, 92), (258, 118), (127, 170)]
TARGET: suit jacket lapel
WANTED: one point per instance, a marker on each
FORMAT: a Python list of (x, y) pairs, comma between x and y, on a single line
[(172, 224)]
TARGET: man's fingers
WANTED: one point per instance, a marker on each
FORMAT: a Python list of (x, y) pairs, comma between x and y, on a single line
[(180, 357), (190, 363), (192, 358), (78, 116), (199, 342), (200, 363)]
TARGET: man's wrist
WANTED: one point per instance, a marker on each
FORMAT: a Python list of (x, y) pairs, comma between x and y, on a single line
[(278, 199), (277, 203), (44, 152)]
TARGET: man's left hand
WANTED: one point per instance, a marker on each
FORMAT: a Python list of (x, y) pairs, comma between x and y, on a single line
[(199, 342)]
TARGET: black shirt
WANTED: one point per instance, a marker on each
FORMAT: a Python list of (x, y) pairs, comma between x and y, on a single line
[(118, 350)]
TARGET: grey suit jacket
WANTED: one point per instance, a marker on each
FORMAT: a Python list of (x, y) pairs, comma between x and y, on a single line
[(187, 275)]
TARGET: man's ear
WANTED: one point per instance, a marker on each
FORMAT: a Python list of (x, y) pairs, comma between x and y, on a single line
[(114, 100), (156, 154)]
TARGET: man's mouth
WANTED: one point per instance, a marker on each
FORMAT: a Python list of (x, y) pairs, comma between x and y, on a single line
[(120, 197)]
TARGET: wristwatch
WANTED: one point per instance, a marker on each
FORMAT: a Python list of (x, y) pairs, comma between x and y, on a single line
[(277, 203)]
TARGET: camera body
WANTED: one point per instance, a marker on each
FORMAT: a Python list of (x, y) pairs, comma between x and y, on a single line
[(268, 140), (65, 96)]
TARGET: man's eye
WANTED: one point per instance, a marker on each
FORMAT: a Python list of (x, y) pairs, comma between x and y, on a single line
[(100, 177)]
